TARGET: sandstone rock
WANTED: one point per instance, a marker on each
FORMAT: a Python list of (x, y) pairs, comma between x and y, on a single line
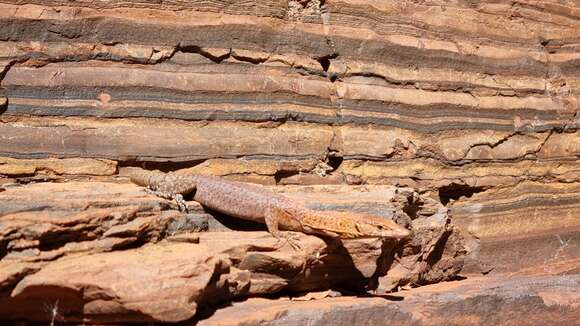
[(15, 167), (473, 104), (531, 228), (156, 282), (479, 301), (109, 252), (152, 141)]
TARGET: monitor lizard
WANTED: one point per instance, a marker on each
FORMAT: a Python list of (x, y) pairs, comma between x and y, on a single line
[(256, 203)]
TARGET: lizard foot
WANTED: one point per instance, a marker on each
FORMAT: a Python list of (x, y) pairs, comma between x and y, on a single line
[(152, 192), (181, 203), (294, 242), (158, 193), (290, 239), (317, 258), (311, 261)]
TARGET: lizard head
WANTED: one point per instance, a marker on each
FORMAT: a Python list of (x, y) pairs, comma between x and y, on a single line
[(355, 226), (372, 227)]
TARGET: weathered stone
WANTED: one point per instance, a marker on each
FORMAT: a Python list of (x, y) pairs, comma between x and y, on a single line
[(530, 228), (473, 104), (66, 242), (9, 166), (152, 141), (479, 301)]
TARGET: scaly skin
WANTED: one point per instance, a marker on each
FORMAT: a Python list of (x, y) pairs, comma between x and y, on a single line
[(255, 203)]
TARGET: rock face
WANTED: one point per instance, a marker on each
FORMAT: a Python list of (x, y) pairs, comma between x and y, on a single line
[(525, 301), (109, 252), (475, 104)]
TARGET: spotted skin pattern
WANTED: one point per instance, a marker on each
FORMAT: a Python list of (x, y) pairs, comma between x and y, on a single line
[(255, 203)]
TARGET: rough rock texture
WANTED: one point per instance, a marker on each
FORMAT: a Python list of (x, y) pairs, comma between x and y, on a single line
[(473, 103), (450, 98), (493, 301), (109, 252)]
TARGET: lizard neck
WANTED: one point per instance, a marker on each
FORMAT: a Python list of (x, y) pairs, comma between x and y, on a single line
[(319, 223)]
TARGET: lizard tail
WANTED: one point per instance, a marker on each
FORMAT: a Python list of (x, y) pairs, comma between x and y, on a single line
[(139, 176)]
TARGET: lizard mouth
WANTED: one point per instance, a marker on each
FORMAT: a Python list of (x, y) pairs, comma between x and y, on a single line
[(397, 234), (403, 234)]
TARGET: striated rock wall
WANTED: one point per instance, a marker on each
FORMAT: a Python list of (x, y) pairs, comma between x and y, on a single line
[(475, 104), (108, 252), (518, 301)]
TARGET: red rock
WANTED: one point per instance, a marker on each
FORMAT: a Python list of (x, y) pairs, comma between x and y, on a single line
[(474, 106), (479, 301), (110, 252)]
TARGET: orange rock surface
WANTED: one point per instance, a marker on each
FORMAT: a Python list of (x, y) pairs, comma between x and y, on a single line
[(473, 104)]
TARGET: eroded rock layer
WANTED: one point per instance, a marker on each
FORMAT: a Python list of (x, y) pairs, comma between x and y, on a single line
[(475, 104), (517, 300), (109, 252)]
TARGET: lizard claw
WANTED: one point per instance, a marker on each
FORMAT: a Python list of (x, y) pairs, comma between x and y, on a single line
[(294, 242), (317, 259), (181, 203), (150, 191), (177, 197), (290, 239)]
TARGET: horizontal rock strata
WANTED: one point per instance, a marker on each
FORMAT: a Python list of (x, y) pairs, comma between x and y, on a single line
[(109, 252), (544, 242), (474, 104), (523, 300)]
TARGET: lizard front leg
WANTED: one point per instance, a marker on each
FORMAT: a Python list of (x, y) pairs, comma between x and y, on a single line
[(177, 197), (272, 218), (181, 203)]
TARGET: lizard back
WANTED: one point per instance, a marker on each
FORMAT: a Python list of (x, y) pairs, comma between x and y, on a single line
[(242, 200), (239, 199)]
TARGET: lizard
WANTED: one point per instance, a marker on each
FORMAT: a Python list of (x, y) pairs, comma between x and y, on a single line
[(256, 203)]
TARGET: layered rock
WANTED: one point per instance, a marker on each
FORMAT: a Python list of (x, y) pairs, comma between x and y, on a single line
[(109, 252), (475, 104), (514, 301)]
